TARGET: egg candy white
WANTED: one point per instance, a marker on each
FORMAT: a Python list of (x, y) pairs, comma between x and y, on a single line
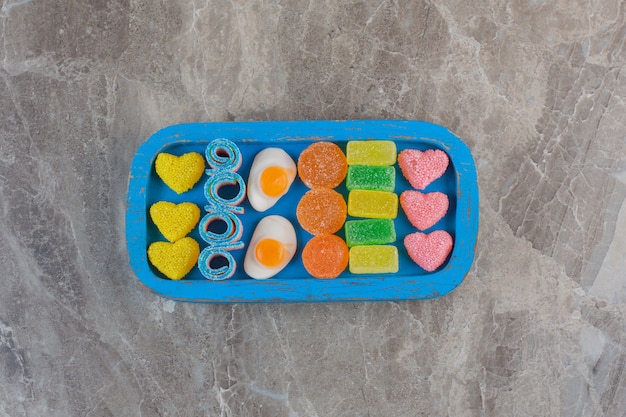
[(272, 246), (271, 174)]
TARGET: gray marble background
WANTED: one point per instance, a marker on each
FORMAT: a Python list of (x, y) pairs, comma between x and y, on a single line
[(536, 89)]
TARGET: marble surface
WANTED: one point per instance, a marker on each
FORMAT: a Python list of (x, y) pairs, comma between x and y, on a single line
[(536, 89)]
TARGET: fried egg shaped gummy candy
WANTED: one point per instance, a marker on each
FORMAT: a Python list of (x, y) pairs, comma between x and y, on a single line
[(272, 173), (272, 246)]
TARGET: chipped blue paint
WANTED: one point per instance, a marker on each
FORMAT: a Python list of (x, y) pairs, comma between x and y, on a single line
[(293, 284)]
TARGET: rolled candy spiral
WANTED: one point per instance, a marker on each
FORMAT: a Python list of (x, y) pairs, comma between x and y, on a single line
[(229, 239), (223, 155), (220, 273), (224, 159), (212, 191)]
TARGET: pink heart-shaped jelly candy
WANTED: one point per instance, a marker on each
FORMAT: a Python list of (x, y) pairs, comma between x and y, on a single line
[(424, 210), (429, 250), (422, 168)]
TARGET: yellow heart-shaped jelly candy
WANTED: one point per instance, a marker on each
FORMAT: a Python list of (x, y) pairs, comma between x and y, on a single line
[(180, 173), (174, 260), (174, 221)]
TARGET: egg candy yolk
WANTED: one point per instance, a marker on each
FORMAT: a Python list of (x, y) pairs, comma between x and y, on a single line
[(270, 253), (274, 181)]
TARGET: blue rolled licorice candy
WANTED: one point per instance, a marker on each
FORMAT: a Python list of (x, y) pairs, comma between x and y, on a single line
[(225, 267), (218, 198), (222, 155), (229, 237)]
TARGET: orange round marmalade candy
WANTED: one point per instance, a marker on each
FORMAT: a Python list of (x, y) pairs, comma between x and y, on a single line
[(325, 256), (321, 210), (322, 164)]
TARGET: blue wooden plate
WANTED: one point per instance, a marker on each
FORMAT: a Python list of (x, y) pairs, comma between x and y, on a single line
[(294, 284)]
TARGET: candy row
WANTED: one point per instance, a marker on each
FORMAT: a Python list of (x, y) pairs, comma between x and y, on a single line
[(424, 210), (322, 211), (371, 184), (215, 261)]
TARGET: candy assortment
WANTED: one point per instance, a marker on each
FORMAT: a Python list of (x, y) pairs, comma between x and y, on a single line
[(353, 230), (163, 268)]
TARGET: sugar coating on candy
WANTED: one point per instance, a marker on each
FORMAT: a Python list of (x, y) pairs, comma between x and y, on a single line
[(370, 232), (430, 250), (376, 259), (222, 228), (226, 265), (174, 260), (366, 177), (223, 155), (321, 210), (424, 210), (372, 204), (215, 186), (180, 173), (174, 221), (322, 164), (371, 152), (325, 256), (422, 168)]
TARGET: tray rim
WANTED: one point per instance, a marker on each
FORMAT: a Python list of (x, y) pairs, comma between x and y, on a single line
[(295, 290)]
